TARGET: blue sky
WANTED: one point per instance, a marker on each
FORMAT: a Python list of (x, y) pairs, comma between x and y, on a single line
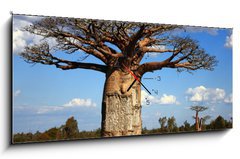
[(44, 96)]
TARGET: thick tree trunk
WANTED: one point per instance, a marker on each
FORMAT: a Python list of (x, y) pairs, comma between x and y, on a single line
[(197, 122), (121, 109)]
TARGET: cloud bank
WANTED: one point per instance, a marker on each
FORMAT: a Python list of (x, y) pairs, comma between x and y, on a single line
[(22, 38), (80, 102), (73, 103), (163, 100), (203, 94)]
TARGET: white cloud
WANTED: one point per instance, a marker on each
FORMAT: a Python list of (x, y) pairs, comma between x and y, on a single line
[(155, 54), (46, 109), (163, 100), (74, 103), (201, 94), (228, 99), (80, 102), (144, 96), (168, 99), (17, 93), (18, 41), (228, 42), (22, 38)]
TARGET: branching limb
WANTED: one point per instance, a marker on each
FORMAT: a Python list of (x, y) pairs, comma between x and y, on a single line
[(103, 40), (41, 54), (186, 55)]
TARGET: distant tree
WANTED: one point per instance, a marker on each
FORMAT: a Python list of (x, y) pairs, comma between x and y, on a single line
[(36, 136), (21, 137), (60, 133), (218, 123), (162, 121), (52, 133), (98, 132), (144, 130), (198, 121), (181, 128), (43, 137), (229, 123), (68, 131), (203, 120), (71, 128), (172, 125), (187, 126)]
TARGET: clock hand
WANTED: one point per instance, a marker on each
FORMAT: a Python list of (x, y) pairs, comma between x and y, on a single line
[(136, 79), (145, 87), (140, 83), (131, 85)]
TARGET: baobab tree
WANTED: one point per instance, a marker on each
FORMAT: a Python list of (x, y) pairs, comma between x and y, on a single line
[(120, 47), (199, 121)]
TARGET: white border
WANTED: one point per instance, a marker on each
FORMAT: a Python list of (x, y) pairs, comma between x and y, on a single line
[(221, 13)]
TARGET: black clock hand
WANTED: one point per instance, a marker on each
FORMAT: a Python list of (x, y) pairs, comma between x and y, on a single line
[(136, 79), (145, 87), (131, 85)]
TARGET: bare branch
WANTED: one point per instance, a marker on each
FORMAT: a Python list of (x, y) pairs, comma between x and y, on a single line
[(134, 40), (41, 54), (186, 54), (78, 33)]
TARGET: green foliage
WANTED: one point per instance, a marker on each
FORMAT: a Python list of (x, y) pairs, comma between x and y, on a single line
[(168, 125), (21, 137), (70, 130), (220, 123), (162, 121), (187, 126), (172, 125), (52, 133)]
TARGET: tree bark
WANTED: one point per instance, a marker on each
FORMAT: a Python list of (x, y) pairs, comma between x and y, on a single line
[(197, 122), (121, 109)]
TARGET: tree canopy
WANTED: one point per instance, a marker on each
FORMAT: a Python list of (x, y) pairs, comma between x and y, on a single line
[(114, 43), (198, 108)]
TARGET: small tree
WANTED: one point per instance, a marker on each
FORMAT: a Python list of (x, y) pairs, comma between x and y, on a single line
[(52, 133), (71, 128), (198, 121), (203, 120), (172, 125), (187, 126), (162, 121), (219, 123)]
